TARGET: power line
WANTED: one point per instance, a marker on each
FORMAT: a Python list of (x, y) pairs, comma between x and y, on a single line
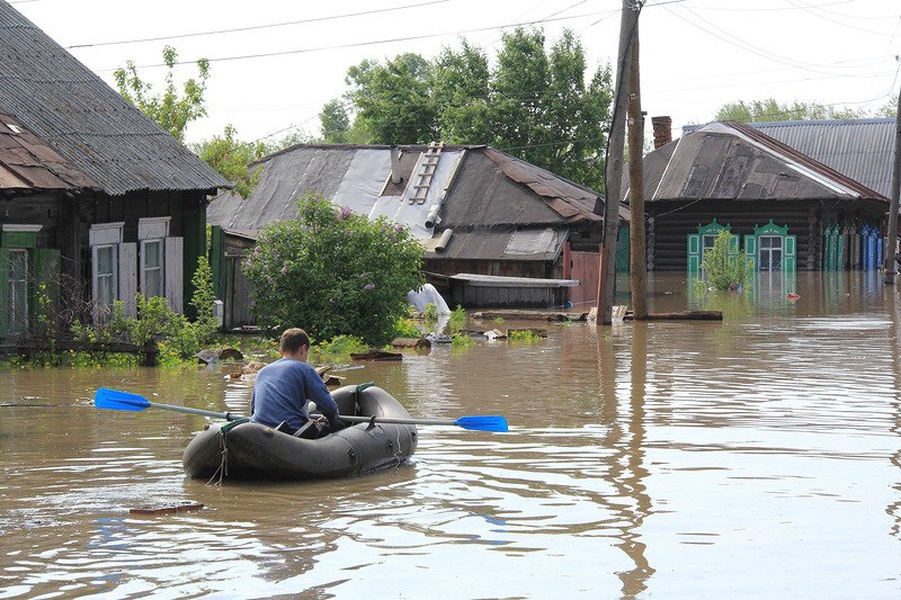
[(375, 42), (258, 27)]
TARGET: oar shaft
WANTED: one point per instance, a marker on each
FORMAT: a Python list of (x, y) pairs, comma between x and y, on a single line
[(196, 411), (360, 419)]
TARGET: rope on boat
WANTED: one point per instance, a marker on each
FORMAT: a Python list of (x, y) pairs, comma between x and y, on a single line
[(222, 471)]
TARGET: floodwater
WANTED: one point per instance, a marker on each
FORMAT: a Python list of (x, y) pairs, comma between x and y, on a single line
[(758, 457)]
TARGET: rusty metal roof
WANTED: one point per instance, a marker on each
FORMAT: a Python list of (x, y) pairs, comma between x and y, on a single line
[(76, 114), (736, 161), (27, 163)]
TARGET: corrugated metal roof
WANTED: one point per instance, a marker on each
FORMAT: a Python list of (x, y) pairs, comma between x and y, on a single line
[(860, 149), (77, 114), (734, 161)]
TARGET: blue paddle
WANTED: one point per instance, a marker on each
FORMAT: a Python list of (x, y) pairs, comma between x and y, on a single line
[(118, 400)]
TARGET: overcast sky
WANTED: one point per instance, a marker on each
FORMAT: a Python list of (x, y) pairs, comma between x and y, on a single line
[(274, 63)]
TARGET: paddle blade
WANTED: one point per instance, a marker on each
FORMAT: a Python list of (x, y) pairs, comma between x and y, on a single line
[(483, 423), (116, 400)]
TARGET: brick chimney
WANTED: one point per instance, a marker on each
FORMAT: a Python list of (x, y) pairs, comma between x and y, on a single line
[(663, 131)]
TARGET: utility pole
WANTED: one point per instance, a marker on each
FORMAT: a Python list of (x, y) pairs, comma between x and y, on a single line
[(892, 241), (638, 269), (613, 179)]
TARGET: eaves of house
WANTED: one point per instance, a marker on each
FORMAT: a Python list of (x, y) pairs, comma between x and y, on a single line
[(76, 114)]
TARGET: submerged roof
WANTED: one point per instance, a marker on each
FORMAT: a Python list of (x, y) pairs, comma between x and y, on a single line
[(736, 161), (76, 114), (501, 206), (860, 149)]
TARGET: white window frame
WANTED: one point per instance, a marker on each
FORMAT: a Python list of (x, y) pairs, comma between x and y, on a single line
[(105, 235), (152, 230), (18, 315), (112, 276)]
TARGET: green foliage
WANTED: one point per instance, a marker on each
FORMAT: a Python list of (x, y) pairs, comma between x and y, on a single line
[(461, 340), (534, 104), (333, 273), (232, 158), (431, 313), (458, 319), (524, 335), (771, 110), (394, 100), (338, 349), (334, 122), (406, 328), (171, 111), (176, 337), (203, 301), (721, 269)]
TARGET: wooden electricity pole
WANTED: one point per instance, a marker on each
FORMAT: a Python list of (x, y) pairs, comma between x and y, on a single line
[(892, 241), (638, 270), (614, 174)]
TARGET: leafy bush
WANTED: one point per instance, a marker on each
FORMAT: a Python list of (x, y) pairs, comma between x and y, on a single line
[(723, 270), (333, 273), (337, 349), (457, 319)]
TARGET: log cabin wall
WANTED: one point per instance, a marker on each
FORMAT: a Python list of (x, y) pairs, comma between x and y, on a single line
[(670, 224)]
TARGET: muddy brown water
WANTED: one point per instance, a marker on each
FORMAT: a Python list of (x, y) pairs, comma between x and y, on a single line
[(758, 457)]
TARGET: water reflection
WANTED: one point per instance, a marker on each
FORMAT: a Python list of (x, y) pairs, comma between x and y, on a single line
[(645, 460)]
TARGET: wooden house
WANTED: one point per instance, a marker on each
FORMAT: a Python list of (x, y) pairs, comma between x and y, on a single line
[(97, 202), (786, 209), (475, 209)]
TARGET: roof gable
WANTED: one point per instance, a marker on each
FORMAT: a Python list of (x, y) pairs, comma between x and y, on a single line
[(735, 161), (74, 112)]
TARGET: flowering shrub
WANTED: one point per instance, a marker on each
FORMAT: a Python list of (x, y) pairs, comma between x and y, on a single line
[(333, 272)]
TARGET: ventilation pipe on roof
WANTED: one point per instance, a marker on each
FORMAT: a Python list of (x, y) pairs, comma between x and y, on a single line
[(444, 240), (432, 218), (396, 177)]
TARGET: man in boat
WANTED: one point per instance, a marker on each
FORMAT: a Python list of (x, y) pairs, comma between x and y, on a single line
[(283, 389)]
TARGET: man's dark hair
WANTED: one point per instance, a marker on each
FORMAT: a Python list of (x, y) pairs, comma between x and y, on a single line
[(292, 340)]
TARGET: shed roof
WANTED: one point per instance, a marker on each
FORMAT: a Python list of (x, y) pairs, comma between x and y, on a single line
[(74, 112), (736, 161)]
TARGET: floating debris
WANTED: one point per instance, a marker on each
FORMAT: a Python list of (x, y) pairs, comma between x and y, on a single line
[(165, 509)]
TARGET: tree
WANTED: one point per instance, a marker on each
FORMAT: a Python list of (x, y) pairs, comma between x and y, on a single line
[(393, 101), (534, 104), (232, 158), (169, 110), (334, 272), (461, 85), (334, 122), (771, 110)]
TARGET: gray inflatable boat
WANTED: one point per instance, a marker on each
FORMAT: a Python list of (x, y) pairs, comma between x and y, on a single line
[(244, 450)]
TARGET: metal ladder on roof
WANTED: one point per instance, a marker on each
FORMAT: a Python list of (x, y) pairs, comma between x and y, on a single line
[(426, 170)]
